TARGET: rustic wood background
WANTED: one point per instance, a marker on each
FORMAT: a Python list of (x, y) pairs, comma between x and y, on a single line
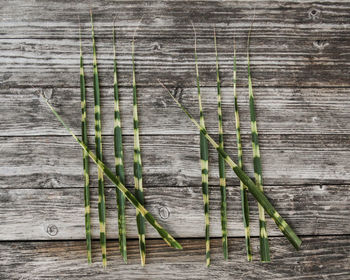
[(300, 56)]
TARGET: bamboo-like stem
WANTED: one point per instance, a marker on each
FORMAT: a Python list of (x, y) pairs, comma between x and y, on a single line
[(221, 160), (138, 164), (119, 159), (264, 242), (243, 188), (253, 189), (98, 143), (115, 180), (204, 159), (85, 155)]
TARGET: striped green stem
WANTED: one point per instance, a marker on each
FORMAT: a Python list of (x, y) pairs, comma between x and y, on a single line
[(138, 165), (115, 180), (204, 159), (119, 165), (85, 155), (252, 188), (243, 188), (221, 160), (98, 143), (264, 242)]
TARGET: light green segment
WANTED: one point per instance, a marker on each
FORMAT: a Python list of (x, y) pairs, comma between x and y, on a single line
[(264, 242), (98, 143), (119, 158), (138, 165), (252, 188), (243, 188), (85, 155), (115, 180), (204, 160), (221, 160)]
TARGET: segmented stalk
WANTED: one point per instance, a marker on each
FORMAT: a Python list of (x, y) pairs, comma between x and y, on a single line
[(243, 188), (221, 160), (252, 188), (85, 155), (138, 165), (119, 165), (264, 242), (115, 180), (98, 143), (204, 159)]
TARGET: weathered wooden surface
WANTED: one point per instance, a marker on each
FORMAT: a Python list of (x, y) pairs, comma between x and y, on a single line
[(306, 44), (323, 257), (55, 162), (60, 210), (306, 111), (300, 55)]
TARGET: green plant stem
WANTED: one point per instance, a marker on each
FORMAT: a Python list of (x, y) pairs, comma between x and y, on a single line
[(119, 159), (115, 180), (243, 188), (138, 165), (204, 160), (253, 189), (85, 155), (264, 242), (98, 143), (221, 160)]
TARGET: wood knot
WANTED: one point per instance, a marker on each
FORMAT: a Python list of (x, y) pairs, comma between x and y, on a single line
[(314, 13), (52, 230), (164, 213), (156, 47), (320, 44)]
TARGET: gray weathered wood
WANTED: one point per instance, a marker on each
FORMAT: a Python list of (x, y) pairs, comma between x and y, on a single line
[(322, 257), (36, 214), (300, 53), (56, 162), (292, 43), (279, 111)]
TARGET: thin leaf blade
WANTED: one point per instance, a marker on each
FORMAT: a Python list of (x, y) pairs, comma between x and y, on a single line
[(115, 180), (119, 159)]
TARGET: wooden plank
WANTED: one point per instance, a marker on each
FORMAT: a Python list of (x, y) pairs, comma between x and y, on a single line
[(56, 162), (278, 62), (324, 257), (279, 111), (41, 214), (292, 43), (60, 18)]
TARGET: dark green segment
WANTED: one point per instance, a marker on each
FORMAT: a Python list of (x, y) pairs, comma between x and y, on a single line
[(253, 189), (264, 243), (115, 180), (98, 144), (204, 159), (85, 156), (119, 158), (222, 174), (138, 165), (243, 188)]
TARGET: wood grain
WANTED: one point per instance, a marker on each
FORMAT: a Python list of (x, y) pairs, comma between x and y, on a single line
[(40, 214), (292, 43), (280, 111), (322, 257), (56, 162), (300, 53)]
